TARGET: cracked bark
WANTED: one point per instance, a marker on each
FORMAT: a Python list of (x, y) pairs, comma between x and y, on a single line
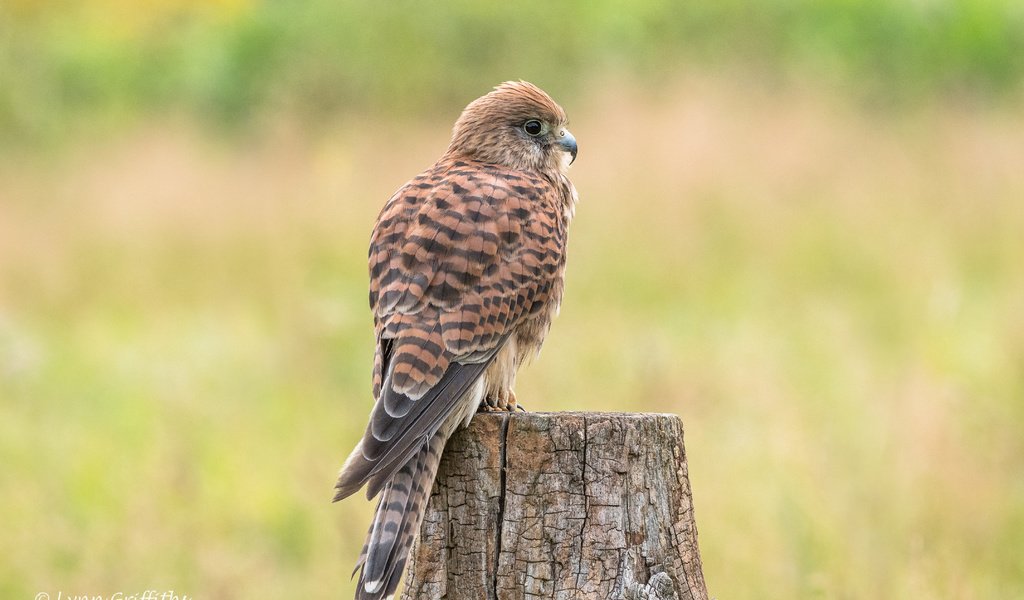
[(560, 505)]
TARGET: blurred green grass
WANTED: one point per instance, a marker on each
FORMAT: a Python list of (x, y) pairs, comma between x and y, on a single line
[(233, 62), (827, 290)]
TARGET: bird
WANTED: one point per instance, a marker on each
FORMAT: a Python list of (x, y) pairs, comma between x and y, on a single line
[(467, 265)]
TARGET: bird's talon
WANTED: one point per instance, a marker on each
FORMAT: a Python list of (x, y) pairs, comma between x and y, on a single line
[(511, 404), (490, 404)]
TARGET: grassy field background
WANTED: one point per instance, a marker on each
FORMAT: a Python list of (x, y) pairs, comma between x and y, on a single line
[(817, 263)]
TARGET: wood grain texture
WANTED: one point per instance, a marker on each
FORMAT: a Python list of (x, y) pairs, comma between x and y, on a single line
[(561, 505)]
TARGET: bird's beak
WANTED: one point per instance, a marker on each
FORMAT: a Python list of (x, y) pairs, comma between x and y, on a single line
[(568, 143)]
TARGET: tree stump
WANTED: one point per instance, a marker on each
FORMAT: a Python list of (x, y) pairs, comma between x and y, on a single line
[(560, 505)]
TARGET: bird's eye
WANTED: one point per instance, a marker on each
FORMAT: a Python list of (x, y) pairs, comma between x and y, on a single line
[(533, 127)]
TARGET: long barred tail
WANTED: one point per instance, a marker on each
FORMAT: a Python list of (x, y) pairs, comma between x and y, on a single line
[(396, 521), (397, 458)]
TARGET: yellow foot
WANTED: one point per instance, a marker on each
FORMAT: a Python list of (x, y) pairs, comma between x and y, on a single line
[(503, 401), (511, 405)]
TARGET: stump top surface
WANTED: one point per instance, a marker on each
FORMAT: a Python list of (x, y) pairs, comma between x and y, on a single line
[(582, 413)]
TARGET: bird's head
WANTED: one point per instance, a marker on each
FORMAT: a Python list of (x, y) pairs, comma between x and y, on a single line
[(517, 125)]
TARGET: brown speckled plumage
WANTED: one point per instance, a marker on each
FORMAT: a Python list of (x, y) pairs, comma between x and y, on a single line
[(466, 272)]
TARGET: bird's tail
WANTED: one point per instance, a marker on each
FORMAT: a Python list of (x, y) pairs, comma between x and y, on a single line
[(403, 501)]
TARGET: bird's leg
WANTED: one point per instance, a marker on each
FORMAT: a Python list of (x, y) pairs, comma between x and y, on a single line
[(489, 403), (502, 401), (512, 405)]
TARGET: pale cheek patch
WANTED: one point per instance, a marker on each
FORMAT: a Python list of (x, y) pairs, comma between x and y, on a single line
[(536, 155)]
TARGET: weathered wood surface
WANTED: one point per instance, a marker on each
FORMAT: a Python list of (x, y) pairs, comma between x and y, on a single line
[(588, 505)]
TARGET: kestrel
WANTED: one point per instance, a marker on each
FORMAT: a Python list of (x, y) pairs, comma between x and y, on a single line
[(467, 263)]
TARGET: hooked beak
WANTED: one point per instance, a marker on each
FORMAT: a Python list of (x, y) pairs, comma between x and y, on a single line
[(568, 143)]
